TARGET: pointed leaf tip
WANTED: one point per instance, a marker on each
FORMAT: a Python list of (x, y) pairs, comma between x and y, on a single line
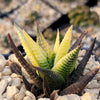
[(64, 46), (57, 42), (66, 64)]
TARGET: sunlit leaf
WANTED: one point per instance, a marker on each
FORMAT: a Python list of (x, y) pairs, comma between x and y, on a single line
[(45, 46), (64, 46), (66, 64), (57, 42), (35, 53)]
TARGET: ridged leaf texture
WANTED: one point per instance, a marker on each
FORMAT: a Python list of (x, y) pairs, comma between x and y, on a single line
[(64, 46), (66, 64), (35, 53), (55, 81), (45, 46), (57, 42)]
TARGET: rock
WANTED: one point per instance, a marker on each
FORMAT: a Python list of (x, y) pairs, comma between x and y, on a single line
[(69, 97), (28, 93), (8, 79), (62, 97), (27, 98), (0, 75), (88, 96), (4, 95), (3, 85), (93, 91), (3, 62), (73, 97), (98, 77), (13, 75), (16, 82), (11, 91), (45, 99), (6, 71), (93, 84), (21, 94)]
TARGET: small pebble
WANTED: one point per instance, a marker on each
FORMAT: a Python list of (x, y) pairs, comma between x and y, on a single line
[(11, 91), (93, 84), (28, 93), (21, 94), (0, 75), (73, 97), (13, 75), (27, 98), (3, 62), (46, 99), (6, 71), (88, 96), (16, 82), (8, 79), (3, 85)]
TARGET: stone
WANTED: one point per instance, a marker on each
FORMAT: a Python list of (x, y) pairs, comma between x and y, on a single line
[(3, 85), (21, 94), (88, 96), (69, 97), (73, 97), (62, 97), (14, 75), (11, 91), (6, 71), (16, 82), (93, 84), (92, 91), (27, 98), (3, 62), (45, 99), (0, 75), (28, 93), (4, 95), (8, 79)]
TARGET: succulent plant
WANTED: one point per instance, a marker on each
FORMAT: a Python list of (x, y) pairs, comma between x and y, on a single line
[(52, 69), (82, 16)]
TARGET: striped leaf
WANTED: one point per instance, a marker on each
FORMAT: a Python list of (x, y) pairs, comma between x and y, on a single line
[(57, 43), (66, 65), (35, 53), (45, 46), (64, 46)]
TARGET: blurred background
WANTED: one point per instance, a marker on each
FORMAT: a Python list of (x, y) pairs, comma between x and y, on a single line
[(50, 15)]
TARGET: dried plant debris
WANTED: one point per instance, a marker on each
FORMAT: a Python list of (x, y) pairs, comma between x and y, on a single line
[(81, 66), (80, 84), (50, 68), (78, 41)]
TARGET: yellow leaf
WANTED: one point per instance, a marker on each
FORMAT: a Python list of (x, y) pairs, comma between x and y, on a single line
[(56, 46), (66, 64), (35, 53), (45, 46), (64, 46)]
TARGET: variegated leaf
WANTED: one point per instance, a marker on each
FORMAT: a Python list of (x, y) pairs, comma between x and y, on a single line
[(57, 43), (35, 53), (64, 46), (66, 64), (45, 46)]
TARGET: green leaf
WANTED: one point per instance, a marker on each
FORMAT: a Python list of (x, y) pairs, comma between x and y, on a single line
[(45, 46), (54, 80), (64, 46), (35, 53), (66, 65)]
